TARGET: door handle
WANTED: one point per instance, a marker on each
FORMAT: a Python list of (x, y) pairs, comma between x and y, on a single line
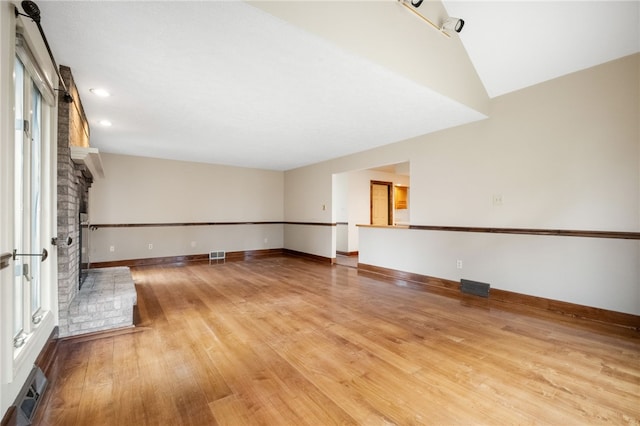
[(25, 272), (54, 241), (44, 254)]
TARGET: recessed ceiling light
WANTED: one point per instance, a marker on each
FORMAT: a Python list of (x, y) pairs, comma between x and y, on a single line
[(100, 92), (105, 123)]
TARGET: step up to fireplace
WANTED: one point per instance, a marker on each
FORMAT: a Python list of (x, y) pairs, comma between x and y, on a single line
[(104, 302)]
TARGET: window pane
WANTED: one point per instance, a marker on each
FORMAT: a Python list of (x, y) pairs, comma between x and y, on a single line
[(18, 290), (36, 167)]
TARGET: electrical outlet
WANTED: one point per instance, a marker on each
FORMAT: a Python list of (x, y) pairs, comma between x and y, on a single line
[(497, 199), (150, 246), (193, 244), (112, 248), (459, 264)]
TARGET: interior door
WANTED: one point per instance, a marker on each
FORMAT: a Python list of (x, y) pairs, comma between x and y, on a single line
[(381, 213)]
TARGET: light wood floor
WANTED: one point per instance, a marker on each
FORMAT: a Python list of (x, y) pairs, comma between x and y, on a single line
[(284, 341)]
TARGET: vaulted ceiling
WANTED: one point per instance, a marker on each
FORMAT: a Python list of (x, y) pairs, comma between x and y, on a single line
[(279, 85)]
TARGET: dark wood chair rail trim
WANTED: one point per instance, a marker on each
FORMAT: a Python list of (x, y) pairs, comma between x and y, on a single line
[(311, 223), (165, 224), (524, 231), (452, 289)]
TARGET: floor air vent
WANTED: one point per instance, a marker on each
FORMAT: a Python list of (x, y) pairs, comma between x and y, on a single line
[(474, 287), (216, 255), (29, 397)]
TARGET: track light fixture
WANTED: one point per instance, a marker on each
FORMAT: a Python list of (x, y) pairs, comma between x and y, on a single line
[(31, 10), (454, 24), (450, 24)]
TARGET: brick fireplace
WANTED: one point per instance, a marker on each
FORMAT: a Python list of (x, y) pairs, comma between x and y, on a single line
[(74, 181), (106, 299)]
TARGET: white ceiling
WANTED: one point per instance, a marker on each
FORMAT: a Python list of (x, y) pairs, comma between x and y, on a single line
[(227, 83)]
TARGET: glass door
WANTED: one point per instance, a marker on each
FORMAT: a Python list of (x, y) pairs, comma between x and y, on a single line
[(28, 251)]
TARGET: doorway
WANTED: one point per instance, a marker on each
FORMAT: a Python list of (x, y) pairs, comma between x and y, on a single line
[(381, 203), (351, 199)]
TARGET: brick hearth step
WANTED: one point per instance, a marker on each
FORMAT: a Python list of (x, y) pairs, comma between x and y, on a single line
[(104, 302)]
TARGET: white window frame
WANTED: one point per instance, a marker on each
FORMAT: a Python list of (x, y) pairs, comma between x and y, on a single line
[(24, 41), (28, 216)]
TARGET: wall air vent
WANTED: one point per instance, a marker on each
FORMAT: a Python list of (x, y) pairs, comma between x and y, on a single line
[(475, 288), (217, 255)]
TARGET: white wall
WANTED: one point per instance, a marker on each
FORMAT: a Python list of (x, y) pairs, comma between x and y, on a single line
[(341, 210), (149, 190), (603, 273), (562, 155), (308, 199), (319, 240), (140, 190), (133, 243)]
